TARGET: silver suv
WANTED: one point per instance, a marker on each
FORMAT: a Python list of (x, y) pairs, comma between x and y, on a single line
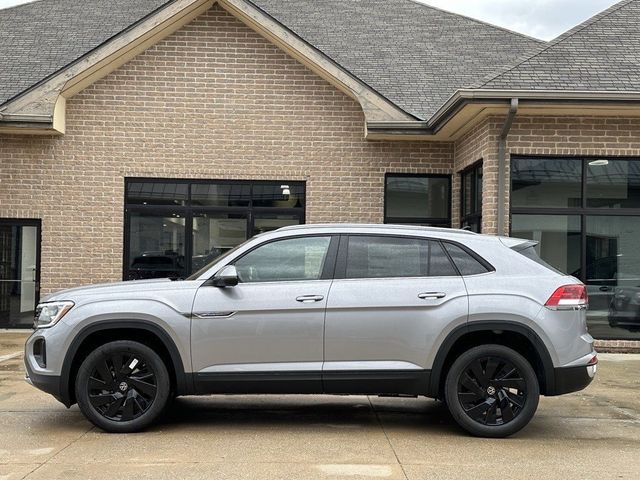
[(477, 321)]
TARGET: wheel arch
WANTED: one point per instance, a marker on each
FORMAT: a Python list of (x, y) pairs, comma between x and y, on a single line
[(137, 330), (511, 334)]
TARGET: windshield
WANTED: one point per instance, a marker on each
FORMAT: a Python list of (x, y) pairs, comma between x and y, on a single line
[(194, 276)]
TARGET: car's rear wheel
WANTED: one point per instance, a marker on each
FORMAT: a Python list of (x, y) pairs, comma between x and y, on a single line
[(122, 386), (492, 391)]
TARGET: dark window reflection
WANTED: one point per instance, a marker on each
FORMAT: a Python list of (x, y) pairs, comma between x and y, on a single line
[(148, 193), (215, 234), (613, 183), (613, 274), (558, 238), (471, 209), (280, 195), (418, 199), (156, 246), (551, 183), (221, 195)]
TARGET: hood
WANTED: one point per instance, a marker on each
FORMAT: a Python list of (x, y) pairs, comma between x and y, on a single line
[(108, 288)]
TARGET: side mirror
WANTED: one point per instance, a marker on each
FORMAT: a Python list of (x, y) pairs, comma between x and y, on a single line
[(227, 277)]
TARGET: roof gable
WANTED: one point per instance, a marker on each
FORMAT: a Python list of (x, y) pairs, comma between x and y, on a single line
[(37, 39), (599, 55)]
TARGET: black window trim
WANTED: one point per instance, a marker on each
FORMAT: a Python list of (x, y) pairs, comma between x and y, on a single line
[(417, 220), (343, 251)]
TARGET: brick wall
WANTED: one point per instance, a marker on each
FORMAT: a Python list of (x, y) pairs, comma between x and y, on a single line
[(214, 100)]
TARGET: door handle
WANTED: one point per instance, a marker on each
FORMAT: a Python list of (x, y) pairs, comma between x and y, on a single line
[(309, 298), (431, 295)]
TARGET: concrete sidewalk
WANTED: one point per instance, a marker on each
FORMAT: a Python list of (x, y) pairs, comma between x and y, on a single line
[(593, 434)]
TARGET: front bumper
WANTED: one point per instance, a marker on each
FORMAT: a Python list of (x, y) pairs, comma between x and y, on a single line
[(50, 384)]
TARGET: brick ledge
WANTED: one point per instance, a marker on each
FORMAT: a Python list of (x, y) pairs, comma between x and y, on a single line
[(617, 346)]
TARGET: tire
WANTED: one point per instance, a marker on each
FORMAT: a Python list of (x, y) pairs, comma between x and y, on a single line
[(122, 387), (492, 391)]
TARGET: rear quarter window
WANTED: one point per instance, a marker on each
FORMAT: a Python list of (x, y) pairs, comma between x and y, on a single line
[(531, 253), (467, 264)]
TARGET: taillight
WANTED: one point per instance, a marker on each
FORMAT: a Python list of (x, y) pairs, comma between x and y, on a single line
[(568, 296)]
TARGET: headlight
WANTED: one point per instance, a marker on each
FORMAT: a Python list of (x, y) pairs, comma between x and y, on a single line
[(48, 314)]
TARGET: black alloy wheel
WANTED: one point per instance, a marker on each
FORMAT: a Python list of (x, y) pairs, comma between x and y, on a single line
[(122, 386), (492, 391)]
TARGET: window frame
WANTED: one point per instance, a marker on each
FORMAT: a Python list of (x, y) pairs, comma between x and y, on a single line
[(433, 221), (476, 213), (188, 210), (343, 250)]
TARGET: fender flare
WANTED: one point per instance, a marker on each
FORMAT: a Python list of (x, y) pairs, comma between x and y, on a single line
[(183, 385), (505, 326)]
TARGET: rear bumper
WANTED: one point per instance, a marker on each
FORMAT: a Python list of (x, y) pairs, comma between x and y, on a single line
[(572, 379)]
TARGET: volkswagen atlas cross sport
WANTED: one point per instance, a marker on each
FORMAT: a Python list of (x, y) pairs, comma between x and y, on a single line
[(477, 321)]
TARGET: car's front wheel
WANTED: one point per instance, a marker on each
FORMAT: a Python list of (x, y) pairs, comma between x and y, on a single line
[(122, 386), (492, 391)]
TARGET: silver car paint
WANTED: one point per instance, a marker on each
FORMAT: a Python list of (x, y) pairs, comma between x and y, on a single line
[(383, 319), (515, 292), (269, 325)]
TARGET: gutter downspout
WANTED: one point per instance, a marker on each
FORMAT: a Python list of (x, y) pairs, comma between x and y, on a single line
[(502, 154)]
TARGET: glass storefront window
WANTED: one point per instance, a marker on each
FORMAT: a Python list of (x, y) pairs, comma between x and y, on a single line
[(613, 183), (471, 201), (175, 227), (613, 275), (156, 246), (215, 234), (221, 195), (157, 193), (266, 222), (418, 199), (280, 195), (546, 182), (558, 237)]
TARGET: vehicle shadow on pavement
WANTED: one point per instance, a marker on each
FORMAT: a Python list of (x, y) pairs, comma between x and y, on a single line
[(300, 411)]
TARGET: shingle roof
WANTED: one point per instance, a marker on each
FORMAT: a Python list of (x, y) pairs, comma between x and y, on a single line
[(414, 55), (37, 39), (602, 54)]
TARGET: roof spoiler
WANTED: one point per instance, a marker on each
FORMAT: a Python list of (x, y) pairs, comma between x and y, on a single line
[(517, 244)]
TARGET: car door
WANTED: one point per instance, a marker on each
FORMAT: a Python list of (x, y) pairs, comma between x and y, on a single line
[(265, 334), (393, 298)]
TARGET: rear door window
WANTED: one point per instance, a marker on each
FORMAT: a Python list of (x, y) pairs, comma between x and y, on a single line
[(392, 257)]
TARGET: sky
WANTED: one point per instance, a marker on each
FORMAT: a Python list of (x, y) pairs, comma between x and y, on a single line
[(545, 19)]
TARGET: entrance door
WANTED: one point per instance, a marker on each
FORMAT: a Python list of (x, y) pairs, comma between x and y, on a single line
[(19, 272)]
